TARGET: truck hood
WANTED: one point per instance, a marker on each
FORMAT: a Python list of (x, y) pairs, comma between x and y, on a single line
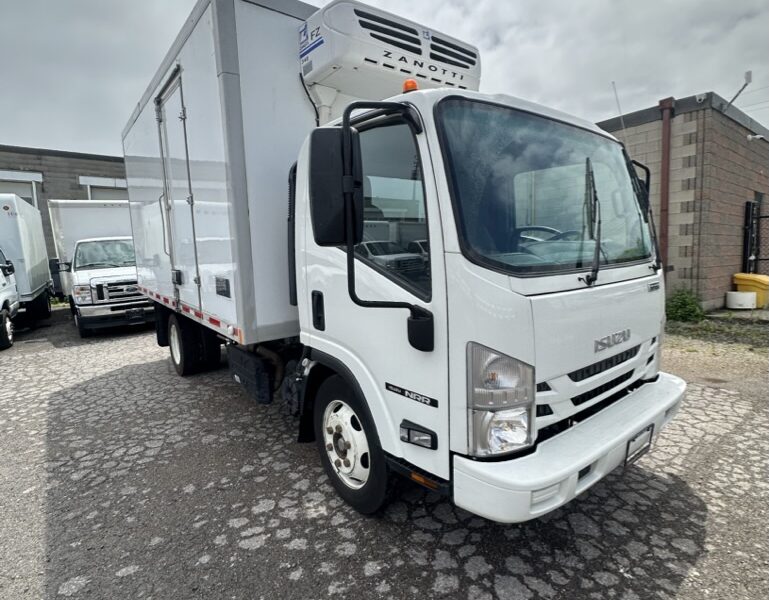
[(94, 276), (578, 328)]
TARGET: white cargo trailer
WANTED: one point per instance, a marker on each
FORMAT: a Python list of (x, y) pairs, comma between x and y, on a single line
[(22, 243), (97, 263), (441, 293)]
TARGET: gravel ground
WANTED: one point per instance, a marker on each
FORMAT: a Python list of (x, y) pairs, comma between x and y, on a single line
[(120, 480)]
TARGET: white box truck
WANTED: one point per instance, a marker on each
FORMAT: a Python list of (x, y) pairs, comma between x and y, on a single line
[(460, 288), (23, 252), (96, 264)]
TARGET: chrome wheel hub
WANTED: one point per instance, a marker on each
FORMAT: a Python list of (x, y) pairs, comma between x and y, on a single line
[(175, 344), (346, 444)]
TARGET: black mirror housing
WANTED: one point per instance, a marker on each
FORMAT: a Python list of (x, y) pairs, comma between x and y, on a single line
[(8, 268), (328, 186), (421, 329), (63, 267)]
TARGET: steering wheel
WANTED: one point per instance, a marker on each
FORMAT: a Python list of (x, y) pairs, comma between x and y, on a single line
[(572, 235), (544, 228)]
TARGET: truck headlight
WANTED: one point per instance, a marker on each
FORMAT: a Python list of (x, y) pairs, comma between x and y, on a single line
[(500, 402), (82, 294)]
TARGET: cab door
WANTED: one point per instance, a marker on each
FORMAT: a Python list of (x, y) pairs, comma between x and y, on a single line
[(400, 383)]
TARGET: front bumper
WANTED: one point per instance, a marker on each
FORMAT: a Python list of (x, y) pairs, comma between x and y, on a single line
[(528, 487), (94, 316)]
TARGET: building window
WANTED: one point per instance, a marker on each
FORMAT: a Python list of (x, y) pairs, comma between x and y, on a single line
[(104, 188), (21, 183), (689, 183), (690, 161), (690, 138)]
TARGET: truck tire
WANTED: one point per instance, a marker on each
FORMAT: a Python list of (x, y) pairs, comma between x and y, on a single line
[(82, 330), (6, 330), (184, 343), (40, 307), (349, 447)]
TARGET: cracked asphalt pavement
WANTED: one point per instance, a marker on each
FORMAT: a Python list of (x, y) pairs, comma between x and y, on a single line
[(119, 479)]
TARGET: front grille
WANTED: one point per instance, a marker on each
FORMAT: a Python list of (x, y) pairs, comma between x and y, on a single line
[(603, 365), (597, 391), (118, 291), (408, 265)]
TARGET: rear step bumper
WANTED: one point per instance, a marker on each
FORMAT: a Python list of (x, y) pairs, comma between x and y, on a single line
[(568, 464)]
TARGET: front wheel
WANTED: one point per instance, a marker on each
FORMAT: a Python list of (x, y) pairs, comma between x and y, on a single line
[(41, 307), (6, 330), (82, 330), (349, 447)]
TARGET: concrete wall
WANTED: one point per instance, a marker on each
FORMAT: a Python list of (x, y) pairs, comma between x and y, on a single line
[(733, 170), (61, 171)]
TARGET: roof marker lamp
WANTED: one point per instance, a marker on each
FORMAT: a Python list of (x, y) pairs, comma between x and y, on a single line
[(500, 402), (410, 85)]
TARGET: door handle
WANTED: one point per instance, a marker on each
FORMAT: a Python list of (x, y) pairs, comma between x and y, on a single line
[(163, 216), (318, 311)]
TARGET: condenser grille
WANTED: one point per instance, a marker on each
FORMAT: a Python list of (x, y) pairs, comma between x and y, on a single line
[(451, 54), (391, 32)]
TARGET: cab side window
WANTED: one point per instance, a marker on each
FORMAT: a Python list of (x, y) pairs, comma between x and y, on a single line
[(395, 234)]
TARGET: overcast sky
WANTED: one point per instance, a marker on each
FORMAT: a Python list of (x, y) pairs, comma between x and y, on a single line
[(71, 71)]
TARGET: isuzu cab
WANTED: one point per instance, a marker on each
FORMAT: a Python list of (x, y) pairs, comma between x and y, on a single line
[(510, 363)]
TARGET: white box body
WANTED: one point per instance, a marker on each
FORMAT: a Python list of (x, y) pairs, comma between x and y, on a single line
[(23, 243), (228, 102)]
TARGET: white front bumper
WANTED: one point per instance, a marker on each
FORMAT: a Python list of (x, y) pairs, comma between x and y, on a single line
[(528, 487)]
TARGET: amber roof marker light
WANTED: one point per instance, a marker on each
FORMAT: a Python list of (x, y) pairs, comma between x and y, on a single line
[(410, 85)]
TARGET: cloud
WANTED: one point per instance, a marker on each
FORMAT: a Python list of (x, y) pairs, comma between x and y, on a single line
[(72, 71)]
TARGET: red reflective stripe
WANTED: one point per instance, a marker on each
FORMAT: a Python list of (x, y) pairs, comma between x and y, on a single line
[(214, 322), (198, 314), (186, 308)]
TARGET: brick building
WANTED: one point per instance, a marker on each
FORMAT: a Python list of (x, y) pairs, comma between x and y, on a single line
[(37, 175), (704, 168)]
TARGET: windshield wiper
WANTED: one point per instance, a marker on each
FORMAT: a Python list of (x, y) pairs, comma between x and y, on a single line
[(594, 206), (99, 264)]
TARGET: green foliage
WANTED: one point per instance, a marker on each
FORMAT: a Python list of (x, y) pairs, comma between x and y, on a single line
[(683, 305)]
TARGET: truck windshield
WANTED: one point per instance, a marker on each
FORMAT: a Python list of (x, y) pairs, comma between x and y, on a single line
[(104, 254), (518, 185)]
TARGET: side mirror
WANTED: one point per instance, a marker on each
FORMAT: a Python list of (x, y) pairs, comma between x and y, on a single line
[(421, 329), (8, 268), (328, 186), (63, 267)]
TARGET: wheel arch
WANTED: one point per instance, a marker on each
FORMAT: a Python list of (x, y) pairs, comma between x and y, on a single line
[(325, 366)]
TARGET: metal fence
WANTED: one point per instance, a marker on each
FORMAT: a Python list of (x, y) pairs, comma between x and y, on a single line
[(755, 251)]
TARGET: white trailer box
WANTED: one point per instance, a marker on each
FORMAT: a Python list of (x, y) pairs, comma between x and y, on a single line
[(210, 144), (23, 243)]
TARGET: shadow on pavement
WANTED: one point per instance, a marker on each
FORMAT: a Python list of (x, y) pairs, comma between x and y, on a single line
[(182, 488)]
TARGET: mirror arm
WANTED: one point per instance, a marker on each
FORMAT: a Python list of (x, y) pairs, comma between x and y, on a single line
[(420, 319)]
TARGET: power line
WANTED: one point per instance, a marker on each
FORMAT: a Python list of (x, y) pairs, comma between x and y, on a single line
[(754, 104)]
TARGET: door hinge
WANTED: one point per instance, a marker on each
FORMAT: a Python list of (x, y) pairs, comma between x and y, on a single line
[(196, 280), (183, 114), (190, 200)]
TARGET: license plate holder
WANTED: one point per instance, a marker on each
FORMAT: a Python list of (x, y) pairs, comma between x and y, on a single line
[(639, 444), (134, 313)]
